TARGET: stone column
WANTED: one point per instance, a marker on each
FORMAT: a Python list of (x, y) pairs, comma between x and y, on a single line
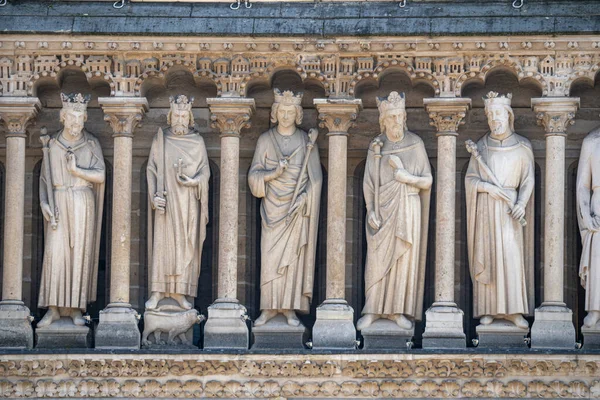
[(118, 326), (444, 320), (553, 324), (15, 320), (334, 327), (226, 326)]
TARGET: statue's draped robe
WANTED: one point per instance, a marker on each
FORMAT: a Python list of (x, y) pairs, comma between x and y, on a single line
[(588, 185), (71, 251), (287, 248), (176, 236), (497, 245), (395, 269)]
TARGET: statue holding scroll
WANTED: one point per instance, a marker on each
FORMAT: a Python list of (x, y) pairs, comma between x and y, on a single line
[(178, 174), (286, 174), (397, 190), (71, 198), (499, 183), (588, 216)]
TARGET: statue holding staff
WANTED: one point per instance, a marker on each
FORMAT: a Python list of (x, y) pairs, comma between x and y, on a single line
[(286, 174), (71, 198)]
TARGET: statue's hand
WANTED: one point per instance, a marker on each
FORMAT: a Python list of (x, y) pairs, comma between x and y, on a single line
[(403, 176), (497, 193), (71, 162), (159, 203), (283, 165), (374, 221), (187, 181), (518, 211), (47, 211), (590, 223)]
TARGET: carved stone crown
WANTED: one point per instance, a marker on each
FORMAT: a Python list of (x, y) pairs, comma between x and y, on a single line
[(495, 98), (181, 102), (75, 101), (394, 101), (288, 97)]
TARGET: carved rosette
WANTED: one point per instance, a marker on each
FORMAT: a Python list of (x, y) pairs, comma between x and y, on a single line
[(123, 113), (447, 114), (555, 114), (18, 113), (338, 116), (230, 114)]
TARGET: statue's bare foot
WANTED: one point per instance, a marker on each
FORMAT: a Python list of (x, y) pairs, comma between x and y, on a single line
[(152, 302), (51, 315), (402, 321), (77, 317), (180, 298), (292, 319), (366, 320), (265, 316), (518, 320), (486, 320), (591, 319)]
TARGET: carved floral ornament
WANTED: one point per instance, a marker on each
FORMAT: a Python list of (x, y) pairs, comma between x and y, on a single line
[(445, 65), (256, 377)]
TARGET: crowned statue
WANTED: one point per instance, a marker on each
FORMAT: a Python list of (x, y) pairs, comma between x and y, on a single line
[(588, 216), (286, 174), (397, 189), (178, 174), (71, 199), (499, 184)]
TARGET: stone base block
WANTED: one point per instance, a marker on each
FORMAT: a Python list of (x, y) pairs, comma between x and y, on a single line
[(444, 328), (591, 337), (501, 334), (15, 325), (226, 327), (384, 334), (63, 334), (553, 328), (334, 327), (277, 334), (118, 328)]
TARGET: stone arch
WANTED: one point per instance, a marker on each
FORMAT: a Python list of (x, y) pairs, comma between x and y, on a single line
[(589, 78), (63, 70), (266, 77), (37, 251), (178, 79)]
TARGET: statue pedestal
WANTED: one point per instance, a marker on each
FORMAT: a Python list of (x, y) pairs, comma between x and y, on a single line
[(501, 334), (15, 325), (384, 334), (553, 327), (334, 327), (444, 327), (118, 328), (226, 326), (278, 334), (591, 337), (63, 334)]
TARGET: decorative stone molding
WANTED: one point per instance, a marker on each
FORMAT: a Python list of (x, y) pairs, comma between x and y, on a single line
[(555, 114), (123, 113), (447, 114), (230, 115), (17, 113), (337, 115), (255, 376)]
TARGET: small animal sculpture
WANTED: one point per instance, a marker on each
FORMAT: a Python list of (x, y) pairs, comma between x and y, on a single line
[(175, 324)]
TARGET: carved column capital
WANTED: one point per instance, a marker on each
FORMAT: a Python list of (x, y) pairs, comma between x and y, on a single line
[(555, 114), (17, 113), (338, 115), (447, 114), (230, 114), (123, 113)]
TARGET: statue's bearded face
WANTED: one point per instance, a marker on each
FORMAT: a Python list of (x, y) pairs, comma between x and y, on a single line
[(286, 115), (393, 123), (73, 121), (180, 120), (498, 120)]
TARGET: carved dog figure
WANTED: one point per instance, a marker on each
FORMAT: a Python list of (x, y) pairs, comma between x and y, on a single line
[(175, 324)]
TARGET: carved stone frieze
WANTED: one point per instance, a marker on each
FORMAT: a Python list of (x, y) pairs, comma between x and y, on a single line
[(555, 114)]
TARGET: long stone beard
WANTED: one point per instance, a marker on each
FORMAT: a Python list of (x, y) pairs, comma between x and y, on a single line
[(179, 129), (73, 132)]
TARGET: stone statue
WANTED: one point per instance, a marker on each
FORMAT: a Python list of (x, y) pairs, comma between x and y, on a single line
[(286, 174), (71, 198), (499, 183), (178, 174), (397, 190), (588, 216)]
